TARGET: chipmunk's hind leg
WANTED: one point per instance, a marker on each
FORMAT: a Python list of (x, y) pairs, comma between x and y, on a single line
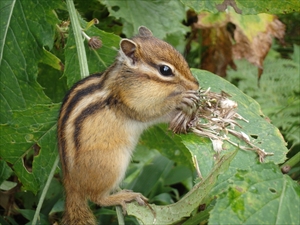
[(121, 198)]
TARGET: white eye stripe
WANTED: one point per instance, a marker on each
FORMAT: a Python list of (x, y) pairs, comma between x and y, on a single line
[(151, 69)]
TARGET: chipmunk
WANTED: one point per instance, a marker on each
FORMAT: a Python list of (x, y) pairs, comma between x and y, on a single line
[(103, 116)]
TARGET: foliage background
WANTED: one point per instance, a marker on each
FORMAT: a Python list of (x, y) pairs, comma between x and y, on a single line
[(39, 63)]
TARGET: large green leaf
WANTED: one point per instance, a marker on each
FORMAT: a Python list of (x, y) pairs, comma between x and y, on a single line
[(245, 7), (178, 211), (28, 134), (260, 131), (151, 14), (261, 195), (27, 116), (26, 26)]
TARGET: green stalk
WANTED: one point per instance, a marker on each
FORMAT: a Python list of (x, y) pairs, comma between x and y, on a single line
[(45, 190), (120, 215), (84, 70), (292, 161)]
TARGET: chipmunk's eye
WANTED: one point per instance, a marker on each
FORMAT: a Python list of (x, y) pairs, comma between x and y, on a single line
[(165, 70)]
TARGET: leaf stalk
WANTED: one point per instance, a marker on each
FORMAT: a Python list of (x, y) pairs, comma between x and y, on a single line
[(83, 65)]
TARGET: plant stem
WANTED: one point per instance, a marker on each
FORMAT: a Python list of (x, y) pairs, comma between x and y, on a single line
[(45, 190), (120, 215), (84, 70), (292, 161)]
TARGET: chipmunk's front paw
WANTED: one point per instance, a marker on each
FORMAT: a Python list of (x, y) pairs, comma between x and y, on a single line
[(186, 116), (190, 101)]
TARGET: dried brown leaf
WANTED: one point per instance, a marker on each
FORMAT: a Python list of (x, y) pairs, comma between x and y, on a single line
[(229, 36)]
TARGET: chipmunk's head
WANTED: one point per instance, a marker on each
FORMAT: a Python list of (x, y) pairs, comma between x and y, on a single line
[(157, 71), (156, 59)]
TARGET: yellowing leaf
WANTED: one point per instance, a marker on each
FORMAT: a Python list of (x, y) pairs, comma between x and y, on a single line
[(253, 36), (228, 36), (51, 60), (251, 25)]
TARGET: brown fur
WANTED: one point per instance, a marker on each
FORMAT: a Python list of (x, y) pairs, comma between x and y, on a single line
[(102, 117)]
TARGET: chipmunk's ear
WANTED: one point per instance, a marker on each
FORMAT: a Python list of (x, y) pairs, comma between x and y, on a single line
[(128, 49), (145, 32)]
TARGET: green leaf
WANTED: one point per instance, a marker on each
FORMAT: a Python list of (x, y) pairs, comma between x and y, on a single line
[(53, 82), (5, 171), (28, 214), (268, 6), (203, 5), (151, 14), (265, 135), (177, 175), (201, 148), (176, 212), (29, 134), (261, 195), (26, 27), (28, 119), (7, 185), (150, 175), (51, 60), (245, 7)]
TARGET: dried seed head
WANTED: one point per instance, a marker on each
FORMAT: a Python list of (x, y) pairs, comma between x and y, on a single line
[(95, 43), (215, 117), (96, 21)]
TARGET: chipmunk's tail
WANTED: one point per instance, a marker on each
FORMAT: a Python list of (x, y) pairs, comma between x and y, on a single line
[(77, 211)]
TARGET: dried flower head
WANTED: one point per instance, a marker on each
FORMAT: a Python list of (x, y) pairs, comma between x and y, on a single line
[(215, 117), (95, 42)]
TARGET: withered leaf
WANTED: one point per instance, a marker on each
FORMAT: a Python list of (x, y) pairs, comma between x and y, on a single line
[(228, 36), (253, 36)]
